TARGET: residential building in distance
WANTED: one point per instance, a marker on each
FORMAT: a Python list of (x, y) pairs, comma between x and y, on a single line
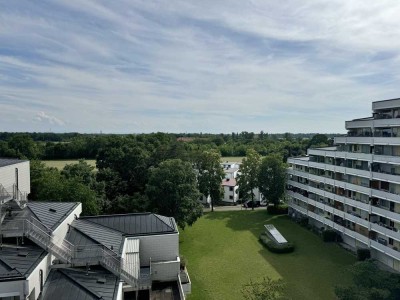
[(354, 187), (48, 251)]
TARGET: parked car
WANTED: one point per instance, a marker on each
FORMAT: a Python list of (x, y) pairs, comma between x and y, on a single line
[(249, 203)]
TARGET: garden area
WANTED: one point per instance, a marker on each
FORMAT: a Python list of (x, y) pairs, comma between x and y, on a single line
[(223, 253)]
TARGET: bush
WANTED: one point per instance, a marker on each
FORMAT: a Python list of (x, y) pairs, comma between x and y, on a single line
[(303, 221), (277, 210), (183, 262), (275, 247), (363, 254), (329, 235)]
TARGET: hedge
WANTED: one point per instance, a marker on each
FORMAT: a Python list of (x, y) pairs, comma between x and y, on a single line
[(275, 247), (329, 235), (277, 210), (363, 254)]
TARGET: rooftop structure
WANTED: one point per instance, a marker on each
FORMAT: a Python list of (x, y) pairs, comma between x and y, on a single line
[(48, 250), (354, 187)]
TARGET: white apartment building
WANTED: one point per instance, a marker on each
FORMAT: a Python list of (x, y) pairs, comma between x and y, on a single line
[(354, 187)]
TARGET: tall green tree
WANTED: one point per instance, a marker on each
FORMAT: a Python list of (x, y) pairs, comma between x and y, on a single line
[(209, 175), (172, 191), (248, 177), (272, 178)]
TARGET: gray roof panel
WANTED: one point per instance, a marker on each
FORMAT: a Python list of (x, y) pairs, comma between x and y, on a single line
[(77, 284), (10, 161), (101, 235), (51, 214), (136, 224), (12, 264)]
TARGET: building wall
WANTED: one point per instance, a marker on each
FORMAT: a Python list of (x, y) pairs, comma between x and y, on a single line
[(61, 231), (166, 270), (13, 288), (230, 195), (33, 281), (158, 248), (8, 177)]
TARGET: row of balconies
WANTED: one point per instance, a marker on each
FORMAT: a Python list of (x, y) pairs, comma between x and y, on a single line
[(386, 192), (379, 175), (352, 217), (395, 141), (378, 244), (370, 208)]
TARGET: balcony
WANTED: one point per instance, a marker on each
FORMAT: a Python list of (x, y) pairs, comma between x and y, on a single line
[(384, 249), (375, 209), (385, 104), (386, 230)]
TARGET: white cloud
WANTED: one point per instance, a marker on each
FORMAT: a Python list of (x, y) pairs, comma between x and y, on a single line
[(41, 116), (218, 66)]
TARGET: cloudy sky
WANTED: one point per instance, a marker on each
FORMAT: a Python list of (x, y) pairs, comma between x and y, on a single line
[(195, 66)]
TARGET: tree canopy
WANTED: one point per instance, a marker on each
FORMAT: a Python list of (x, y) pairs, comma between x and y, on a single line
[(272, 178), (209, 175), (248, 177), (172, 191)]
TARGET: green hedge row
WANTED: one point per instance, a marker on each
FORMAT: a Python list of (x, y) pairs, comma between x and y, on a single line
[(275, 247), (277, 210)]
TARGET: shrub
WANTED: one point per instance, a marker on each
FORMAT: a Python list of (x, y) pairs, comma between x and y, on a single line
[(183, 262), (303, 221), (275, 247), (277, 210), (329, 235), (363, 254)]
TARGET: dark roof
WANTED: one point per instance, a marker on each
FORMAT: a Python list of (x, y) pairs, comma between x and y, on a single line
[(136, 224), (51, 214), (18, 262), (66, 284), (90, 233), (10, 161)]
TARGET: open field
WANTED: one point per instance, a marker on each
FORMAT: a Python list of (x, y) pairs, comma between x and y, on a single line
[(59, 164), (232, 158), (223, 253)]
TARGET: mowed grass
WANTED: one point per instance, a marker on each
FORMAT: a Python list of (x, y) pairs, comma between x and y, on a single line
[(223, 253), (60, 164), (232, 159)]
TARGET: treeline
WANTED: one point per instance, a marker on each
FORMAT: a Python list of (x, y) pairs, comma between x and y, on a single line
[(52, 146), (158, 172)]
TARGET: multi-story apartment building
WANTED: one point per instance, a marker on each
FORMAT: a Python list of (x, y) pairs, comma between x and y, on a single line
[(354, 187)]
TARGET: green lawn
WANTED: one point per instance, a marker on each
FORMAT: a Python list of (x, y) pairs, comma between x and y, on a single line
[(60, 164), (232, 158), (223, 253)]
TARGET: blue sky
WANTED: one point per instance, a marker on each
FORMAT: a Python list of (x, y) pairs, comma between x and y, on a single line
[(195, 66)]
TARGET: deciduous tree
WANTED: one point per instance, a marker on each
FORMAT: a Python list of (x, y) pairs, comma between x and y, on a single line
[(248, 177), (272, 178), (172, 191), (209, 175)]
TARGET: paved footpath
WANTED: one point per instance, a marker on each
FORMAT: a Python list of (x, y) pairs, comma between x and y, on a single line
[(232, 208)]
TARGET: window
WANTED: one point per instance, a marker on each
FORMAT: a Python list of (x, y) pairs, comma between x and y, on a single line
[(231, 188), (231, 197), (390, 241)]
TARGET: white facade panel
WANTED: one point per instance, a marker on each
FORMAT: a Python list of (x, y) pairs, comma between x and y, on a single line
[(166, 270), (158, 248), (8, 177)]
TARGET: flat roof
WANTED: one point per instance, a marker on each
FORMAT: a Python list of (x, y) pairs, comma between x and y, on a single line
[(229, 182)]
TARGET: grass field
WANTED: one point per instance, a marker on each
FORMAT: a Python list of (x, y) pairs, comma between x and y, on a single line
[(232, 158), (223, 253), (60, 164)]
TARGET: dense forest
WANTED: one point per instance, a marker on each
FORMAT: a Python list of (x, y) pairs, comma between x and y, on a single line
[(142, 172), (48, 146)]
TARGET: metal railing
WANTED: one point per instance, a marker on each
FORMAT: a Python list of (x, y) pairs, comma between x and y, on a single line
[(81, 255)]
